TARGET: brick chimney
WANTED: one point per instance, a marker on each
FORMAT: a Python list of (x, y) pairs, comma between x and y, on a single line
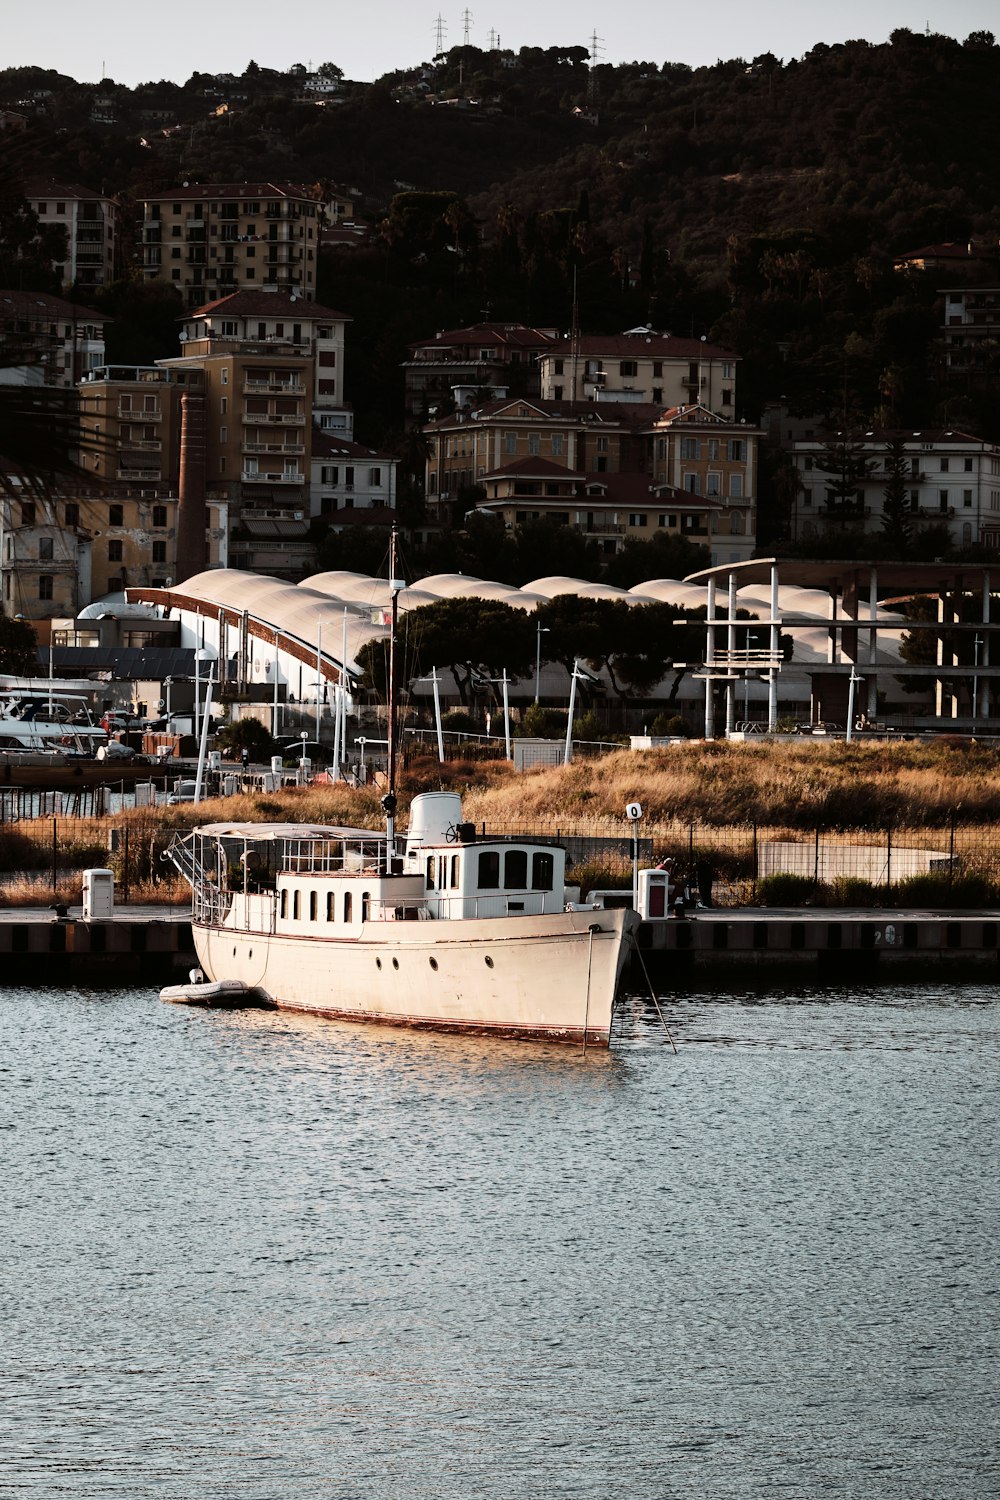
[(192, 517)]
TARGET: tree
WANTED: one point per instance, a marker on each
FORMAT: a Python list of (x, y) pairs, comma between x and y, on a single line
[(18, 647), (474, 639), (636, 645), (843, 458), (896, 523)]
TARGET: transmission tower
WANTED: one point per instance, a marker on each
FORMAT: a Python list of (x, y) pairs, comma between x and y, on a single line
[(596, 46), (440, 27), (467, 20)]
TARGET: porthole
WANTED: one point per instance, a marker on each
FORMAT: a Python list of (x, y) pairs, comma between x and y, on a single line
[(378, 963), (433, 963), (489, 962), (395, 963)]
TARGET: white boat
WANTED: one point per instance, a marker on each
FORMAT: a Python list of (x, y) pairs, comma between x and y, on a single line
[(444, 928), (456, 931), (39, 721)]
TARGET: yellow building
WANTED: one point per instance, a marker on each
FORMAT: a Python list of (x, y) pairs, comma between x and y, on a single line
[(215, 238), (697, 452)]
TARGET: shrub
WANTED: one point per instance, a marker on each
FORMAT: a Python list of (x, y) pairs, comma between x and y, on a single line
[(539, 723), (847, 890), (671, 726), (461, 722), (935, 890), (786, 890)]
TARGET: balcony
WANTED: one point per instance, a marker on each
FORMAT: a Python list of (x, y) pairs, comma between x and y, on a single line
[(273, 387), (133, 414), (273, 448), (250, 477), (142, 445), (273, 419), (597, 528), (140, 476)]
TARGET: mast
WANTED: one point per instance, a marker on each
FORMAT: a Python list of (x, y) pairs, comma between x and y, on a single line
[(389, 800)]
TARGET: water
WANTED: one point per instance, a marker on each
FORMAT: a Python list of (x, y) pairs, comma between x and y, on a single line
[(277, 1259)]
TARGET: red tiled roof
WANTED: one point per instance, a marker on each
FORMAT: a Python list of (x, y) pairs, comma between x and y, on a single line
[(627, 345), (48, 187), (203, 190), (517, 335), (257, 304), (27, 305), (329, 445)]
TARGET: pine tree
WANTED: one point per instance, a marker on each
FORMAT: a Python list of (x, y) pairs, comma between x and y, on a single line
[(896, 523)]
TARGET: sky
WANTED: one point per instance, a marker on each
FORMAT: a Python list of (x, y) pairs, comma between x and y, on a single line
[(135, 44)]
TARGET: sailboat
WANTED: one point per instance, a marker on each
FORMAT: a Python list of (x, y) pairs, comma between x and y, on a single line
[(444, 927)]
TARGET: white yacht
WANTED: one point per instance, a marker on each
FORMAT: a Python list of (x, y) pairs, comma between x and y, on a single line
[(48, 722), (449, 929)]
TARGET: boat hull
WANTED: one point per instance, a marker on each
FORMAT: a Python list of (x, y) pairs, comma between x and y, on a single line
[(550, 977)]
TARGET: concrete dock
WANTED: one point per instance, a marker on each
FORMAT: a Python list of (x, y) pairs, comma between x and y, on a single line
[(152, 944)]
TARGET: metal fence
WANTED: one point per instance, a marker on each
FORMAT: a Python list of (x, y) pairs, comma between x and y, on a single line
[(739, 864)]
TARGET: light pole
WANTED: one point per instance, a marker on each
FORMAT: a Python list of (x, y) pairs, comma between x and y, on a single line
[(854, 679), (540, 630), (975, 680)]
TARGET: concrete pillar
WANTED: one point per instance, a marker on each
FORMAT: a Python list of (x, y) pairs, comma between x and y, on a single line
[(730, 648), (984, 655), (873, 614), (709, 660)]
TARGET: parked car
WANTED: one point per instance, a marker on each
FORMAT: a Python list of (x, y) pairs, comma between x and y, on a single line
[(183, 792)]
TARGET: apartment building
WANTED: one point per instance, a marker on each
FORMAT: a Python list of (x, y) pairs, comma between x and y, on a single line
[(604, 438), (269, 321), (61, 552), (212, 239), (129, 428), (641, 367), (91, 222), (696, 452), (608, 509), (972, 330), (953, 480), (349, 481), (49, 340), (452, 367)]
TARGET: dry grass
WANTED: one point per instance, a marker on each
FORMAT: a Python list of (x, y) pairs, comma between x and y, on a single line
[(696, 798)]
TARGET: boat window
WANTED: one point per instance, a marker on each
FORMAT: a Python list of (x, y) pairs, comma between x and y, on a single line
[(296, 905), (348, 906), (313, 904), (542, 872), (489, 870), (442, 870), (330, 909), (284, 903), (365, 899), (456, 865), (430, 872), (515, 869)]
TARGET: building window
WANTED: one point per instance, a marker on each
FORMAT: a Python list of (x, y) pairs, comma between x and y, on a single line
[(967, 498), (657, 395), (45, 586), (968, 466), (944, 465), (72, 514), (557, 367), (159, 552), (628, 369), (159, 515), (223, 376), (736, 450), (727, 398), (45, 549), (349, 476), (637, 518), (27, 513), (714, 485), (657, 369), (557, 444), (602, 445), (736, 486), (116, 515), (375, 478), (807, 497), (114, 552), (689, 448), (534, 444)]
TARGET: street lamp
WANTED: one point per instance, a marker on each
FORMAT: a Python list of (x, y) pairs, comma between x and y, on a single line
[(202, 654), (854, 678), (540, 630)]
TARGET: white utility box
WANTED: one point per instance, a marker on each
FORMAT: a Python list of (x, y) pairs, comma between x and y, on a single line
[(98, 895)]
